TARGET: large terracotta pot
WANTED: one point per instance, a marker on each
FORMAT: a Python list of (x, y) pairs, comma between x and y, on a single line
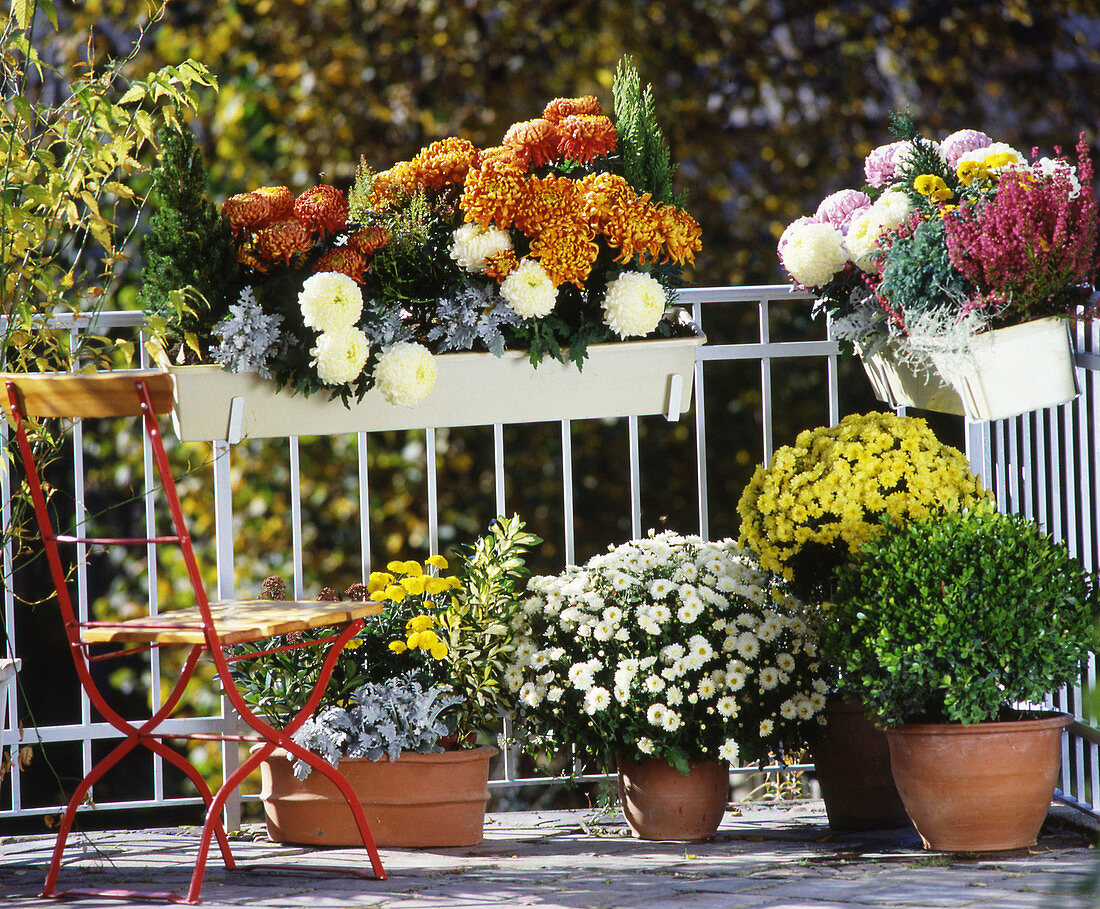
[(852, 760), (417, 800), (978, 788), (660, 803)]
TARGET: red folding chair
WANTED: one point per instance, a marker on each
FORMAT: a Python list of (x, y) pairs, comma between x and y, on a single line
[(205, 628)]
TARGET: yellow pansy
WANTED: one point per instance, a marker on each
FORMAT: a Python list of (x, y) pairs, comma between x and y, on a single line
[(437, 561), (925, 184)]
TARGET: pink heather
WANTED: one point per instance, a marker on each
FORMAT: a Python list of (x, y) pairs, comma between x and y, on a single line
[(959, 143), (839, 208), (879, 166), (1029, 240)]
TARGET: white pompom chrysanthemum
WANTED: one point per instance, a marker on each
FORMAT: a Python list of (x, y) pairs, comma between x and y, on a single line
[(529, 291), (887, 213), (472, 243), (340, 355), (633, 304), (330, 300), (996, 157), (405, 374), (812, 253)]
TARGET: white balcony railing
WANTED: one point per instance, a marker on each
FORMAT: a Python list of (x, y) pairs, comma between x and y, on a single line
[(763, 365)]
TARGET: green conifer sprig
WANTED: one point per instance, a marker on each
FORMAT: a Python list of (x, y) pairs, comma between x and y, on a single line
[(190, 264), (647, 165)]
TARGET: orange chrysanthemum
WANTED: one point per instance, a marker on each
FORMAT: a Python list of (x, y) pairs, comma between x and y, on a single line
[(585, 137), (502, 154), (535, 141), (603, 193), (369, 240), (683, 235), (635, 230), (345, 260), (493, 192), (548, 202), (322, 208), (280, 201), (248, 259), (246, 212), (500, 265), (444, 162), (566, 253), (560, 108), (280, 241)]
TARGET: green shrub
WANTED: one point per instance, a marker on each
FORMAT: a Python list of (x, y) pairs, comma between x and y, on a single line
[(954, 617)]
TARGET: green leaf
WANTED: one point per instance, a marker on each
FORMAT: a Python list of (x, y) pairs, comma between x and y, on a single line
[(22, 11)]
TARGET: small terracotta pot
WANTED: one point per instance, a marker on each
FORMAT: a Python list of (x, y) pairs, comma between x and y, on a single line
[(660, 803), (418, 800), (979, 788), (852, 760)]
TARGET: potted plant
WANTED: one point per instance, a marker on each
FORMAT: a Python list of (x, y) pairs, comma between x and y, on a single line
[(954, 270), (560, 243), (949, 628), (809, 511), (670, 658), (405, 708)]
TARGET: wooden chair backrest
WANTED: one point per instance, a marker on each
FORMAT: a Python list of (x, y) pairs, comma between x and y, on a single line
[(99, 394)]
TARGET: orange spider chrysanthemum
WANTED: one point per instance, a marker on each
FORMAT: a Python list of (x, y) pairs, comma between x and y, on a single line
[(246, 212), (444, 162), (535, 141), (281, 202), (322, 208), (560, 108), (493, 192), (603, 193), (584, 137), (566, 253), (369, 240), (345, 260), (280, 241), (500, 265), (683, 235), (249, 259), (547, 202), (502, 154), (634, 230)]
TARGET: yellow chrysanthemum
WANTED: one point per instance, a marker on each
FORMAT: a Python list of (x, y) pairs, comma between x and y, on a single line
[(413, 569), (550, 203), (412, 641), (396, 567), (414, 586), (395, 592), (635, 230), (419, 623), (683, 234), (439, 650), (436, 585), (603, 195), (445, 162), (437, 561), (398, 646), (567, 253)]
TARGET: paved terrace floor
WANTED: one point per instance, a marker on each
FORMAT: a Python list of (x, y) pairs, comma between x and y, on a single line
[(784, 858)]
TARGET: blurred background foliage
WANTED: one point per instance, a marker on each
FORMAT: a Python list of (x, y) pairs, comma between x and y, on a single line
[(768, 105)]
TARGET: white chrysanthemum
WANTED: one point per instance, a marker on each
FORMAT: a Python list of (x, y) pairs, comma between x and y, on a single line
[(997, 157), (748, 645), (817, 702), (769, 678), (671, 721), (766, 727), (735, 680), (603, 631), (529, 291), (812, 253), (747, 620), (646, 746), (330, 300), (622, 694), (661, 588), (525, 650), (805, 708), (656, 714), (820, 686), (688, 613), (554, 694), (405, 374), (785, 662), (530, 694), (633, 304), (729, 752), (471, 244), (670, 653), (661, 613), (727, 706), (596, 699), (706, 688), (340, 355), (887, 213), (613, 615), (654, 684), (787, 710), (674, 696)]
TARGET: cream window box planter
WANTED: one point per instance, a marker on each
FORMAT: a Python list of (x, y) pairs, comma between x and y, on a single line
[(471, 389), (1007, 372), (8, 669)]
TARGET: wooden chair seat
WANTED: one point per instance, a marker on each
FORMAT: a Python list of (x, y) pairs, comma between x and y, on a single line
[(236, 621)]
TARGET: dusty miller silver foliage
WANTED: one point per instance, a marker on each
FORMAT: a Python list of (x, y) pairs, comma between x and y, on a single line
[(249, 337), (471, 314)]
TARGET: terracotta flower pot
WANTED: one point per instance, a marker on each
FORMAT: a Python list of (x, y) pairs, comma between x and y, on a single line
[(417, 800), (978, 788), (852, 760), (660, 803)]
